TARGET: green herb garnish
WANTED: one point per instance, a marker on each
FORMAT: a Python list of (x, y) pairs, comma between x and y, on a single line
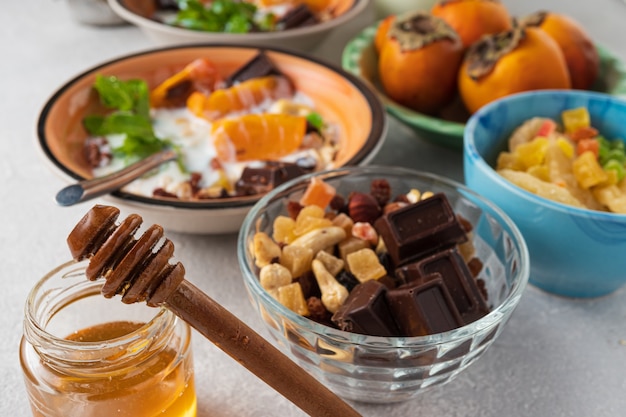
[(315, 119), (220, 16), (130, 101)]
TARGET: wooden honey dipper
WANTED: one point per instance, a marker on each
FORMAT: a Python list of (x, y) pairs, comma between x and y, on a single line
[(136, 271)]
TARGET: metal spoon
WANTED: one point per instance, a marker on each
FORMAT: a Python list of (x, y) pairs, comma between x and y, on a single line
[(87, 189)]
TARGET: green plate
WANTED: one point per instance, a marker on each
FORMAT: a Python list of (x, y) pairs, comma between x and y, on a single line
[(359, 58)]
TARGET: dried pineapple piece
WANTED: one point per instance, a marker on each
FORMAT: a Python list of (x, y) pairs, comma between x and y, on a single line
[(283, 229), (365, 265), (292, 297), (310, 218), (297, 259), (344, 221), (349, 245)]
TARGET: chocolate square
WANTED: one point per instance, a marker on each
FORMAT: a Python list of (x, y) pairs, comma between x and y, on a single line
[(365, 311), (419, 229), (456, 276), (423, 308)]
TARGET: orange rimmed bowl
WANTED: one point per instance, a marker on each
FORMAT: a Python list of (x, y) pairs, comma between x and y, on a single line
[(304, 38), (338, 96)]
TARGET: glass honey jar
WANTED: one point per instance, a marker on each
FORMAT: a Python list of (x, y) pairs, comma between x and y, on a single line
[(85, 356)]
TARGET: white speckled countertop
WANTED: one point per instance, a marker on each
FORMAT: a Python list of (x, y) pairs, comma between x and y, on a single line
[(556, 357)]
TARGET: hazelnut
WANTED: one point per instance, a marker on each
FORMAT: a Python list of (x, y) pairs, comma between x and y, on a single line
[(363, 207)]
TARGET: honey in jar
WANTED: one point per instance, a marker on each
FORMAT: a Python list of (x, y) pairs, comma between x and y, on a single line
[(85, 355)]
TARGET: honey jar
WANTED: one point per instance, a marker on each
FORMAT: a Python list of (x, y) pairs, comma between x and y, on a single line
[(85, 355)]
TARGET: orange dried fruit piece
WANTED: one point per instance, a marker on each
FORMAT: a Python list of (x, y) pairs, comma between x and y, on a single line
[(200, 75), (257, 136), (239, 97), (365, 265), (318, 193)]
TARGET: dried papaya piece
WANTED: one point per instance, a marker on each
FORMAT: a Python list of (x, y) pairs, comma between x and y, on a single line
[(264, 136), (199, 75), (242, 96)]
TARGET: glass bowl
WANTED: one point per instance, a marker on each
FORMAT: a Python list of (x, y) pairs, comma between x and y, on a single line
[(377, 369)]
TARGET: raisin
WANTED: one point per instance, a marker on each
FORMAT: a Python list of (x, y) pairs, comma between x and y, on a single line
[(381, 191)]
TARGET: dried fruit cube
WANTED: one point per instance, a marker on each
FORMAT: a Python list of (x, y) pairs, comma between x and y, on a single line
[(273, 276), (349, 245), (291, 296), (283, 229), (364, 265), (297, 259), (344, 221), (310, 218), (318, 193)]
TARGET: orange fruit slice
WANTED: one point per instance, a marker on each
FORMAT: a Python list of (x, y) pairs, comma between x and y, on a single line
[(242, 96), (199, 75), (258, 136)]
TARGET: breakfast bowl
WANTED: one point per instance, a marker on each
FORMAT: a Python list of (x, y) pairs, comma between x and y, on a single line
[(446, 128), (574, 251), (321, 117), (158, 24), (378, 366)]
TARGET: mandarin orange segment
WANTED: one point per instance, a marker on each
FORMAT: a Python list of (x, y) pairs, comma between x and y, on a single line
[(242, 96), (265, 136), (200, 74)]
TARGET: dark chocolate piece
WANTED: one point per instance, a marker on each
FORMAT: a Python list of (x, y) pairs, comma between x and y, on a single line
[(365, 311), (420, 229), (258, 179), (259, 66), (297, 17), (457, 278), (423, 308)]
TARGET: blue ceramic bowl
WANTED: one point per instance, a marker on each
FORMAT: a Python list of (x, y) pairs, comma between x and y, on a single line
[(573, 252)]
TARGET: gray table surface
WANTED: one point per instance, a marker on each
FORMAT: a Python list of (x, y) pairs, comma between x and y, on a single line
[(556, 357)]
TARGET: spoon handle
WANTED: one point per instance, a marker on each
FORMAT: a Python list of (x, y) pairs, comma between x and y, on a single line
[(87, 189)]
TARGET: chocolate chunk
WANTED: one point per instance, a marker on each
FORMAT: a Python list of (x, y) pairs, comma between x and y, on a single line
[(419, 229), (297, 17), (423, 308), (457, 277), (259, 66), (258, 179), (365, 311)]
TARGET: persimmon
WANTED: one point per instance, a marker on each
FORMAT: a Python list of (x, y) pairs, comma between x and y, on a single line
[(419, 62), (580, 53), (472, 19), (521, 59), (382, 31)]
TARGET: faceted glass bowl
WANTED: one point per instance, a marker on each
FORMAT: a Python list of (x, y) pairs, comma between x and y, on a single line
[(391, 369)]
